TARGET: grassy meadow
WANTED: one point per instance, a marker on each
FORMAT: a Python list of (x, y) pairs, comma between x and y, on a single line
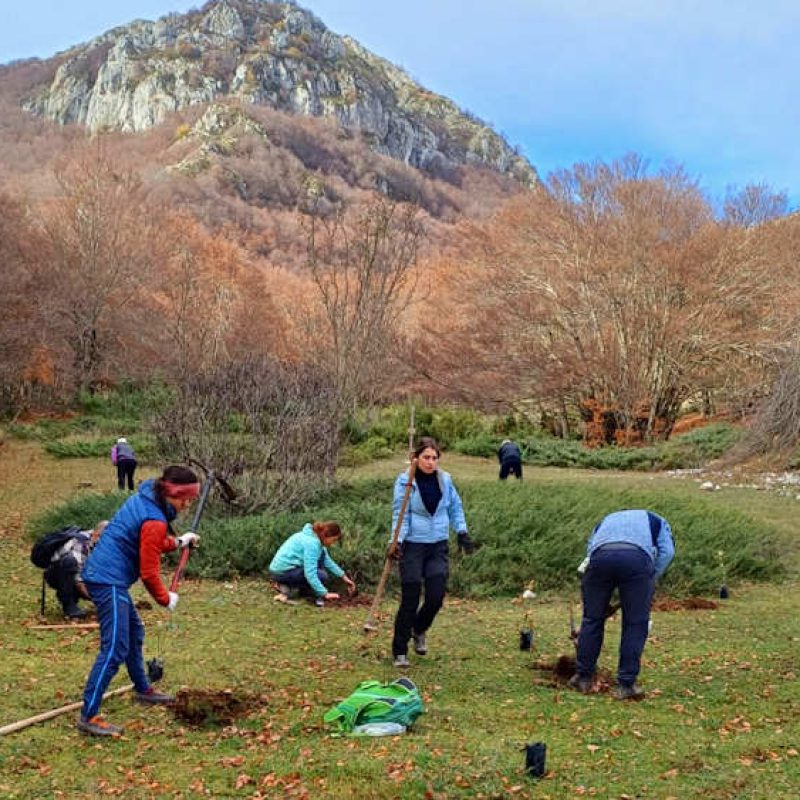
[(720, 719)]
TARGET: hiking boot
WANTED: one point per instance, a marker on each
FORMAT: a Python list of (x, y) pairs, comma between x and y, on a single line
[(632, 692), (75, 613), (401, 660), (152, 697), (581, 683), (420, 645), (97, 726)]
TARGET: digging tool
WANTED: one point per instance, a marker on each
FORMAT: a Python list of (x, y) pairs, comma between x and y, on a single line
[(371, 621), (228, 493), (24, 723), (155, 666)]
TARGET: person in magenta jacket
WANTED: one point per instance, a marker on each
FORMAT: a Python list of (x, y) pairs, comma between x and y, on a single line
[(130, 548)]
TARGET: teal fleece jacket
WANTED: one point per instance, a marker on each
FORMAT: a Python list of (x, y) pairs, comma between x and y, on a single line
[(304, 549)]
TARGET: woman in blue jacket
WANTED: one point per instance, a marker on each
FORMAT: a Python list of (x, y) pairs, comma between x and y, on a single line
[(130, 548), (434, 508)]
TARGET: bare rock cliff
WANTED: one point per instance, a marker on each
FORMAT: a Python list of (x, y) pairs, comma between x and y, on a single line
[(273, 54)]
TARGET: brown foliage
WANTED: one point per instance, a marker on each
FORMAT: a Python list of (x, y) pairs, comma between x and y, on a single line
[(616, 286)]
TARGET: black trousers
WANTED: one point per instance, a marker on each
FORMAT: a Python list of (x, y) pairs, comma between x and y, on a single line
[(125, 469), (511, 466), (421, 563), (61, 577)]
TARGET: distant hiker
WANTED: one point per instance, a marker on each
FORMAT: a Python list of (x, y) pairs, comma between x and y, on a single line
[(628, 551), (124, 459), (302, 563), (130, 548), (63, 572), (434, 508), (510, 457)]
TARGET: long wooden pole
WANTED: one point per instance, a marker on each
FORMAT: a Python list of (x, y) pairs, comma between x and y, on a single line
[(24, 723), (371, 622), (78, 626)]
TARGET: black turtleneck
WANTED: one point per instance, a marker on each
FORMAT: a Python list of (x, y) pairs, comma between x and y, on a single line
[(429, 490)]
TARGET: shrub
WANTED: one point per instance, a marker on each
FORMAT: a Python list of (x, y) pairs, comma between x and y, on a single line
[(525, 533), (685, 451), (85, 511), (371, 449), (97, 448)]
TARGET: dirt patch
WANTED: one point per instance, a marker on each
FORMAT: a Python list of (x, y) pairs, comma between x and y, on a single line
[(685, 604), (557, 673), (206, 707), (345, 601)]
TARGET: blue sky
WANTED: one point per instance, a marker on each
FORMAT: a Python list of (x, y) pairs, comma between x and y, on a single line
[(710, 84)]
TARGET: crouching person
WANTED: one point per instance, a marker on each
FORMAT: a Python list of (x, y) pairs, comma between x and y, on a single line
[(302, 564), (130, 548), (63, 573)]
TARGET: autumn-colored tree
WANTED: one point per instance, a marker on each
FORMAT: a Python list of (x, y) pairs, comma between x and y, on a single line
[(619, 286), (100, 243), (24, 364)]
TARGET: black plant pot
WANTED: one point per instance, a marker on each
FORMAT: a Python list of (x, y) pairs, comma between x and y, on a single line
[(535, 756), (525, 640), (155, 670), (723, 592)]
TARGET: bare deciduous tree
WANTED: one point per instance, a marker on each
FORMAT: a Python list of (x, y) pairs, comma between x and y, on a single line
[(265, 422), (101, 242), (362, 263)]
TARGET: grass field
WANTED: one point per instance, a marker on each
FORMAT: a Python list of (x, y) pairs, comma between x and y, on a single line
[(720, 721)]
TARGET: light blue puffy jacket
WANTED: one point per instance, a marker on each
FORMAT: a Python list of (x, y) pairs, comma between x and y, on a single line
[(418, 524)]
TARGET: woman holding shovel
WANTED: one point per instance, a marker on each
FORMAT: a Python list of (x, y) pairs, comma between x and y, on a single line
[(129, 549), (434, 507)]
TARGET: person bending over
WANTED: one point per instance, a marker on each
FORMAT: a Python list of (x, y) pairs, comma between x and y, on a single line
[(628, 551), (130, 548)]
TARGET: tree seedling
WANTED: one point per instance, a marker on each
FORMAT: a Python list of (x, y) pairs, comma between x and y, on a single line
[(723, 587)]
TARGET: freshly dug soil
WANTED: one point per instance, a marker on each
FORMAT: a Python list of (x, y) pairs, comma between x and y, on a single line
[(558, 673), (205, 707), (345, 601), (686, 604)]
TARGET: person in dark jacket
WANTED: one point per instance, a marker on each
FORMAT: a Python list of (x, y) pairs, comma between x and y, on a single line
[(64, 571), (628, 551), (422, 548), (510, 457), (130, 548), (124, 459)]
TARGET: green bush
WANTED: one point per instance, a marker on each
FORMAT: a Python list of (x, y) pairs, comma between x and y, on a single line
[(525, 534), (372, 449), (685, 451), (96, 448), (85, 511)]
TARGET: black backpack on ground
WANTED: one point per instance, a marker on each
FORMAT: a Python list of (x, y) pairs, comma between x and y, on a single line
[(45, 548)]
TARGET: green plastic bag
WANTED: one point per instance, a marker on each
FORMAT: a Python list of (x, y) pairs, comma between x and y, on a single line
[(373, 701)]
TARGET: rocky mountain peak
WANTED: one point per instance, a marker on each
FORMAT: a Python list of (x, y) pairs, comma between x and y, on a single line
[(273, 54)]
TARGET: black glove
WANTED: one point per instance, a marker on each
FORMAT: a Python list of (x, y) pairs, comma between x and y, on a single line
[(465, 544)]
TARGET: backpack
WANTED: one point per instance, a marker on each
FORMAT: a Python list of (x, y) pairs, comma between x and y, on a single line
[(45, 548), (372, 702)]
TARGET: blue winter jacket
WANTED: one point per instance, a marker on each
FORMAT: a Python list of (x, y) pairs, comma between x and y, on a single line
[(304, 549), (418, 524), (634, 527), (115, 558)]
